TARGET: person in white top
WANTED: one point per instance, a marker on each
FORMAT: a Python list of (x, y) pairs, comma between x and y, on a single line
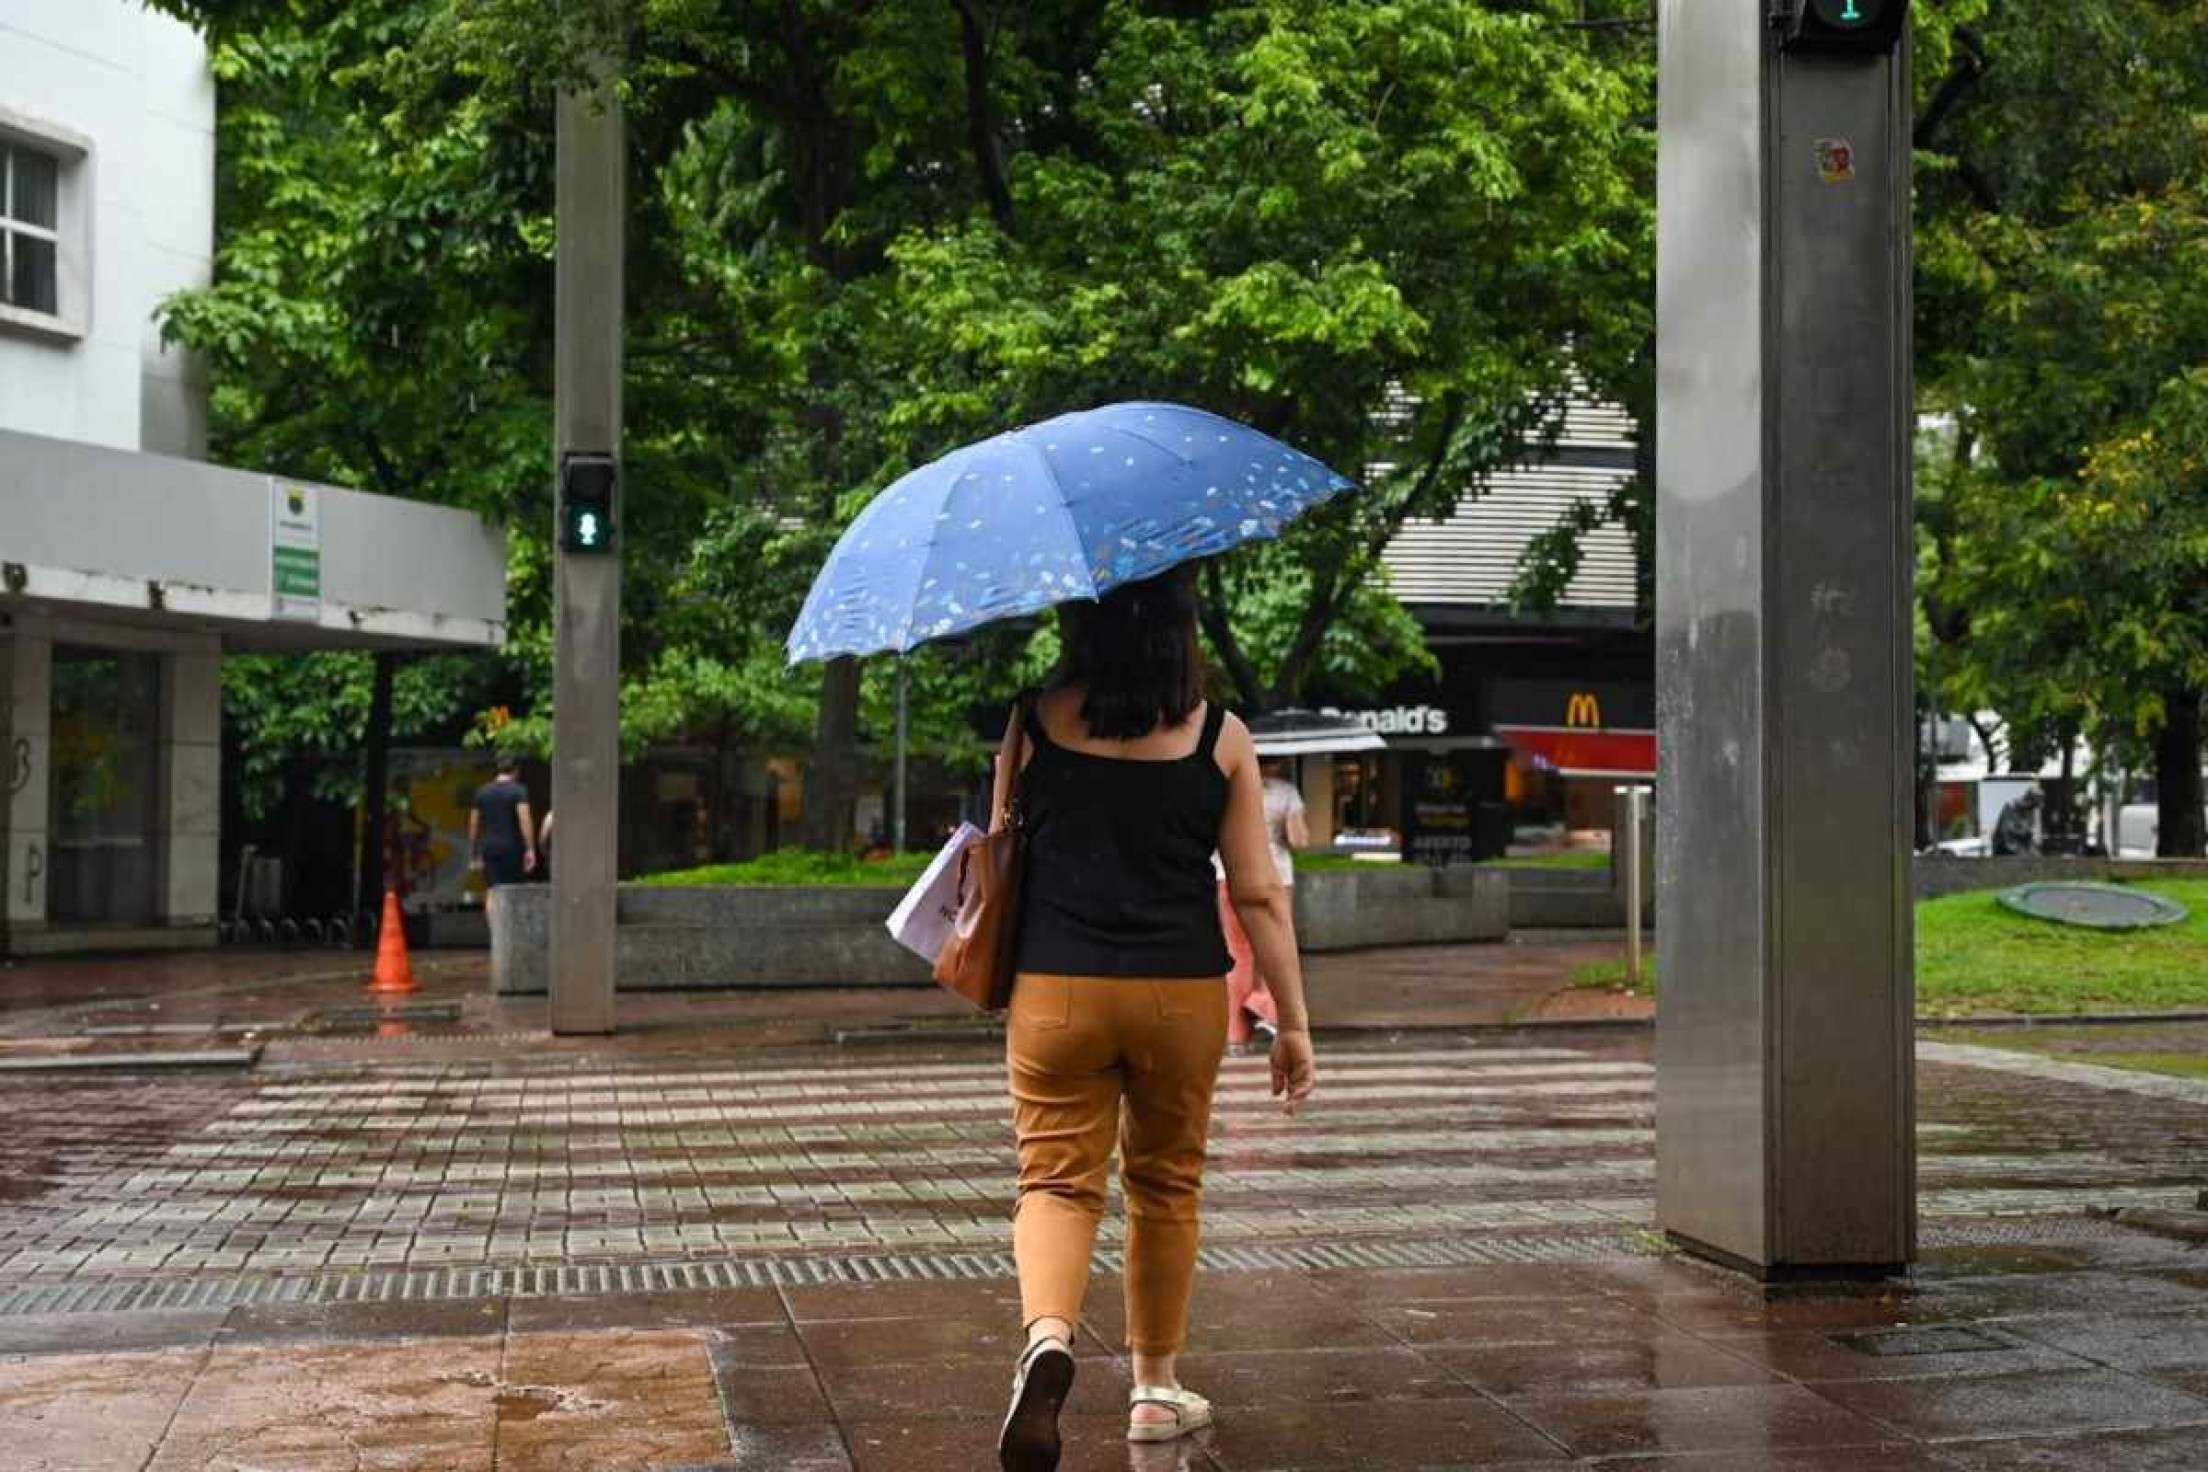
[(1284, 818), (1250, 1007)]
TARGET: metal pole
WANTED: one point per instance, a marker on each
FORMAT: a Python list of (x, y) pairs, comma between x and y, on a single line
[(368, 866), (586, 726), (1633, 881), (897, 819)]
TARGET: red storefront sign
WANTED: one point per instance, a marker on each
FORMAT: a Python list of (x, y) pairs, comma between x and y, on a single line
[(1578, 752)]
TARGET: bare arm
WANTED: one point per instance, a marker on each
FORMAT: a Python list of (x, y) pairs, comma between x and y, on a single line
[(1263, 905), (475, 835), (528, 836), (1000, 791), (1299, 830)]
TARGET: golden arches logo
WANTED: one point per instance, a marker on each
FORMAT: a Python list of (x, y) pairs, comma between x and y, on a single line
[(1583, 710)]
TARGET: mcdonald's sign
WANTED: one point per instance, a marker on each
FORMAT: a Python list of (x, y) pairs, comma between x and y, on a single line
[(1583, 710)]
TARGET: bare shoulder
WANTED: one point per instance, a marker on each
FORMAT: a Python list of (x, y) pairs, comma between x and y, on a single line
[(1236, 748)]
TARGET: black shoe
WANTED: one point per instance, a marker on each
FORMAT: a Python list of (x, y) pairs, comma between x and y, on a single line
[(1267, 1034), (1029, 1440)]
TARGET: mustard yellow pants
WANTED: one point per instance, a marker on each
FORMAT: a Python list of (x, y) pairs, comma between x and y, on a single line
[(1094, 1058)]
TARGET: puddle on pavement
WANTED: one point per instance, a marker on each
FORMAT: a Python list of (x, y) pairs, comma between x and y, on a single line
[(42, 1047), (2002, 1259), (26, 1180), (392, 1020)]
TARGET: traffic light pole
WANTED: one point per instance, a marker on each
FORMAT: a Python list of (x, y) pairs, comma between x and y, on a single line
[(1785, 1112), (586, 725)]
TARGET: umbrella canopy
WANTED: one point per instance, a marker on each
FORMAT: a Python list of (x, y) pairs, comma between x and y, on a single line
[(1069, 508), (1294, 732)]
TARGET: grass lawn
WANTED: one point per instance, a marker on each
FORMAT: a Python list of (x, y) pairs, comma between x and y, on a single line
[(793, 867), (1975, 957), (1331, 863)]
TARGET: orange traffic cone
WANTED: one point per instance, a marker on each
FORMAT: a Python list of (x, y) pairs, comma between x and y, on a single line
[(394, 972)]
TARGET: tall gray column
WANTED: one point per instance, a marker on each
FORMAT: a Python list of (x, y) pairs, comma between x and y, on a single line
[(586, 726), (188, 822), (1784, 1102)]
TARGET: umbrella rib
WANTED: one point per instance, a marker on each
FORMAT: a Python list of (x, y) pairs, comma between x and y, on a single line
[(927, 548), (1065, 507), (1141, 438)]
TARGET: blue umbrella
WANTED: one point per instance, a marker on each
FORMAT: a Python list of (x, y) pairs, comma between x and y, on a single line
[(1069, 508)]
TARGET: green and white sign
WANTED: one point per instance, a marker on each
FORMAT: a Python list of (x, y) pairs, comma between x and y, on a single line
[(295, 551)]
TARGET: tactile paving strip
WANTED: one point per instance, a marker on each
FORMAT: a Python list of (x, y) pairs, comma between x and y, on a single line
[(593, 1279)]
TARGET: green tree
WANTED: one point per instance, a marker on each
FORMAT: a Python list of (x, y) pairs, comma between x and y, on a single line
[(2062, 240), (1396, 235), (864, 231)]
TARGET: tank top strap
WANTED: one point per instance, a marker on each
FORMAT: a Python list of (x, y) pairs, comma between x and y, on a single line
[(1215, 718)]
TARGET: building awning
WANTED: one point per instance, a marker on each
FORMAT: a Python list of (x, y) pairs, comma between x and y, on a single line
[(1296, 732), (1577, 751), (264, 562)]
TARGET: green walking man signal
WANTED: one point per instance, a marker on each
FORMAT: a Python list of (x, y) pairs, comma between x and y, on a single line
[(1842, 27), (587, 484)]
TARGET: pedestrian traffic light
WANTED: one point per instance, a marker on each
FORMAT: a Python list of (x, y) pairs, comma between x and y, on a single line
[(586, 502), (1843, 27)]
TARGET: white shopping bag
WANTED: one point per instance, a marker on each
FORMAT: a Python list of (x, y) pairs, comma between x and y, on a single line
[(928, 913)]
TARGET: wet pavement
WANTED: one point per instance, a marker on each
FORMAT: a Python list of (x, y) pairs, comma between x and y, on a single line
[(312, 1004), (433, 1238), (2090, 1355)]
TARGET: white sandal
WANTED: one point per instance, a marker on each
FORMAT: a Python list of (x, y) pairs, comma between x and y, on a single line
[(1191, 1412)]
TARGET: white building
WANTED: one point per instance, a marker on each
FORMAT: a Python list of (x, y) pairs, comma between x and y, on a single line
[(127, 564)]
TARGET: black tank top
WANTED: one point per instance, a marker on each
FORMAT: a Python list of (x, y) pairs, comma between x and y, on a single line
[(1119, 876)]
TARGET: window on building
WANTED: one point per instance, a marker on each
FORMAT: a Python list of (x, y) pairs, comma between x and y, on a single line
[(30, 240)]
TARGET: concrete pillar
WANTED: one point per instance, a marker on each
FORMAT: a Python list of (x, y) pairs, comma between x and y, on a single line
[(591, 209), (188, 822), (1784, 1110), (27, 763), (1318, 799)]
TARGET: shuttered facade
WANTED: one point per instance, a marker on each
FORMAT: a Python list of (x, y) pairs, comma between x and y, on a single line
[(1471, 557)]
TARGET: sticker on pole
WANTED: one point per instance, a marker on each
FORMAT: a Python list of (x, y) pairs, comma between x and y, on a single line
[(2095, 906), (1835, 160), (295, 551)]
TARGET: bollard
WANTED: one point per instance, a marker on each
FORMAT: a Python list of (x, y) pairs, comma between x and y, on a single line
[(1634, 804)]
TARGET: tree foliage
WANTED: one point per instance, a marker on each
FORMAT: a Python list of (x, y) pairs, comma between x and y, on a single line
[(1390, 233), (864, 231), (2062, 243)]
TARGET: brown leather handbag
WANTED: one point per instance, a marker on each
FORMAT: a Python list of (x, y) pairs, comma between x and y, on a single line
[(977, 959)]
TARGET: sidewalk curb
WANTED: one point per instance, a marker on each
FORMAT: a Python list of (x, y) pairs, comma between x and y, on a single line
[(987, 1032), (2183, 1226), (96, 1062), (2065, 1019)]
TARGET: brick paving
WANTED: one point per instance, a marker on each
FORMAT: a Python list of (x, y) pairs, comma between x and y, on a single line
[(542, 1162), (630, 1253)]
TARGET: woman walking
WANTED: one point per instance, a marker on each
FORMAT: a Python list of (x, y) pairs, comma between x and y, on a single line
[(1119, 1014)]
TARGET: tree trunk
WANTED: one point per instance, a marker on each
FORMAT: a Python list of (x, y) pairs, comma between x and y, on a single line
[(832, 778), (981, 117), (376, 789), (2177, 779), (1212, 612)]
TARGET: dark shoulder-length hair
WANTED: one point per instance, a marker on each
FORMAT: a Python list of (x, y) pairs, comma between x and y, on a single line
[(1135, 655)]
